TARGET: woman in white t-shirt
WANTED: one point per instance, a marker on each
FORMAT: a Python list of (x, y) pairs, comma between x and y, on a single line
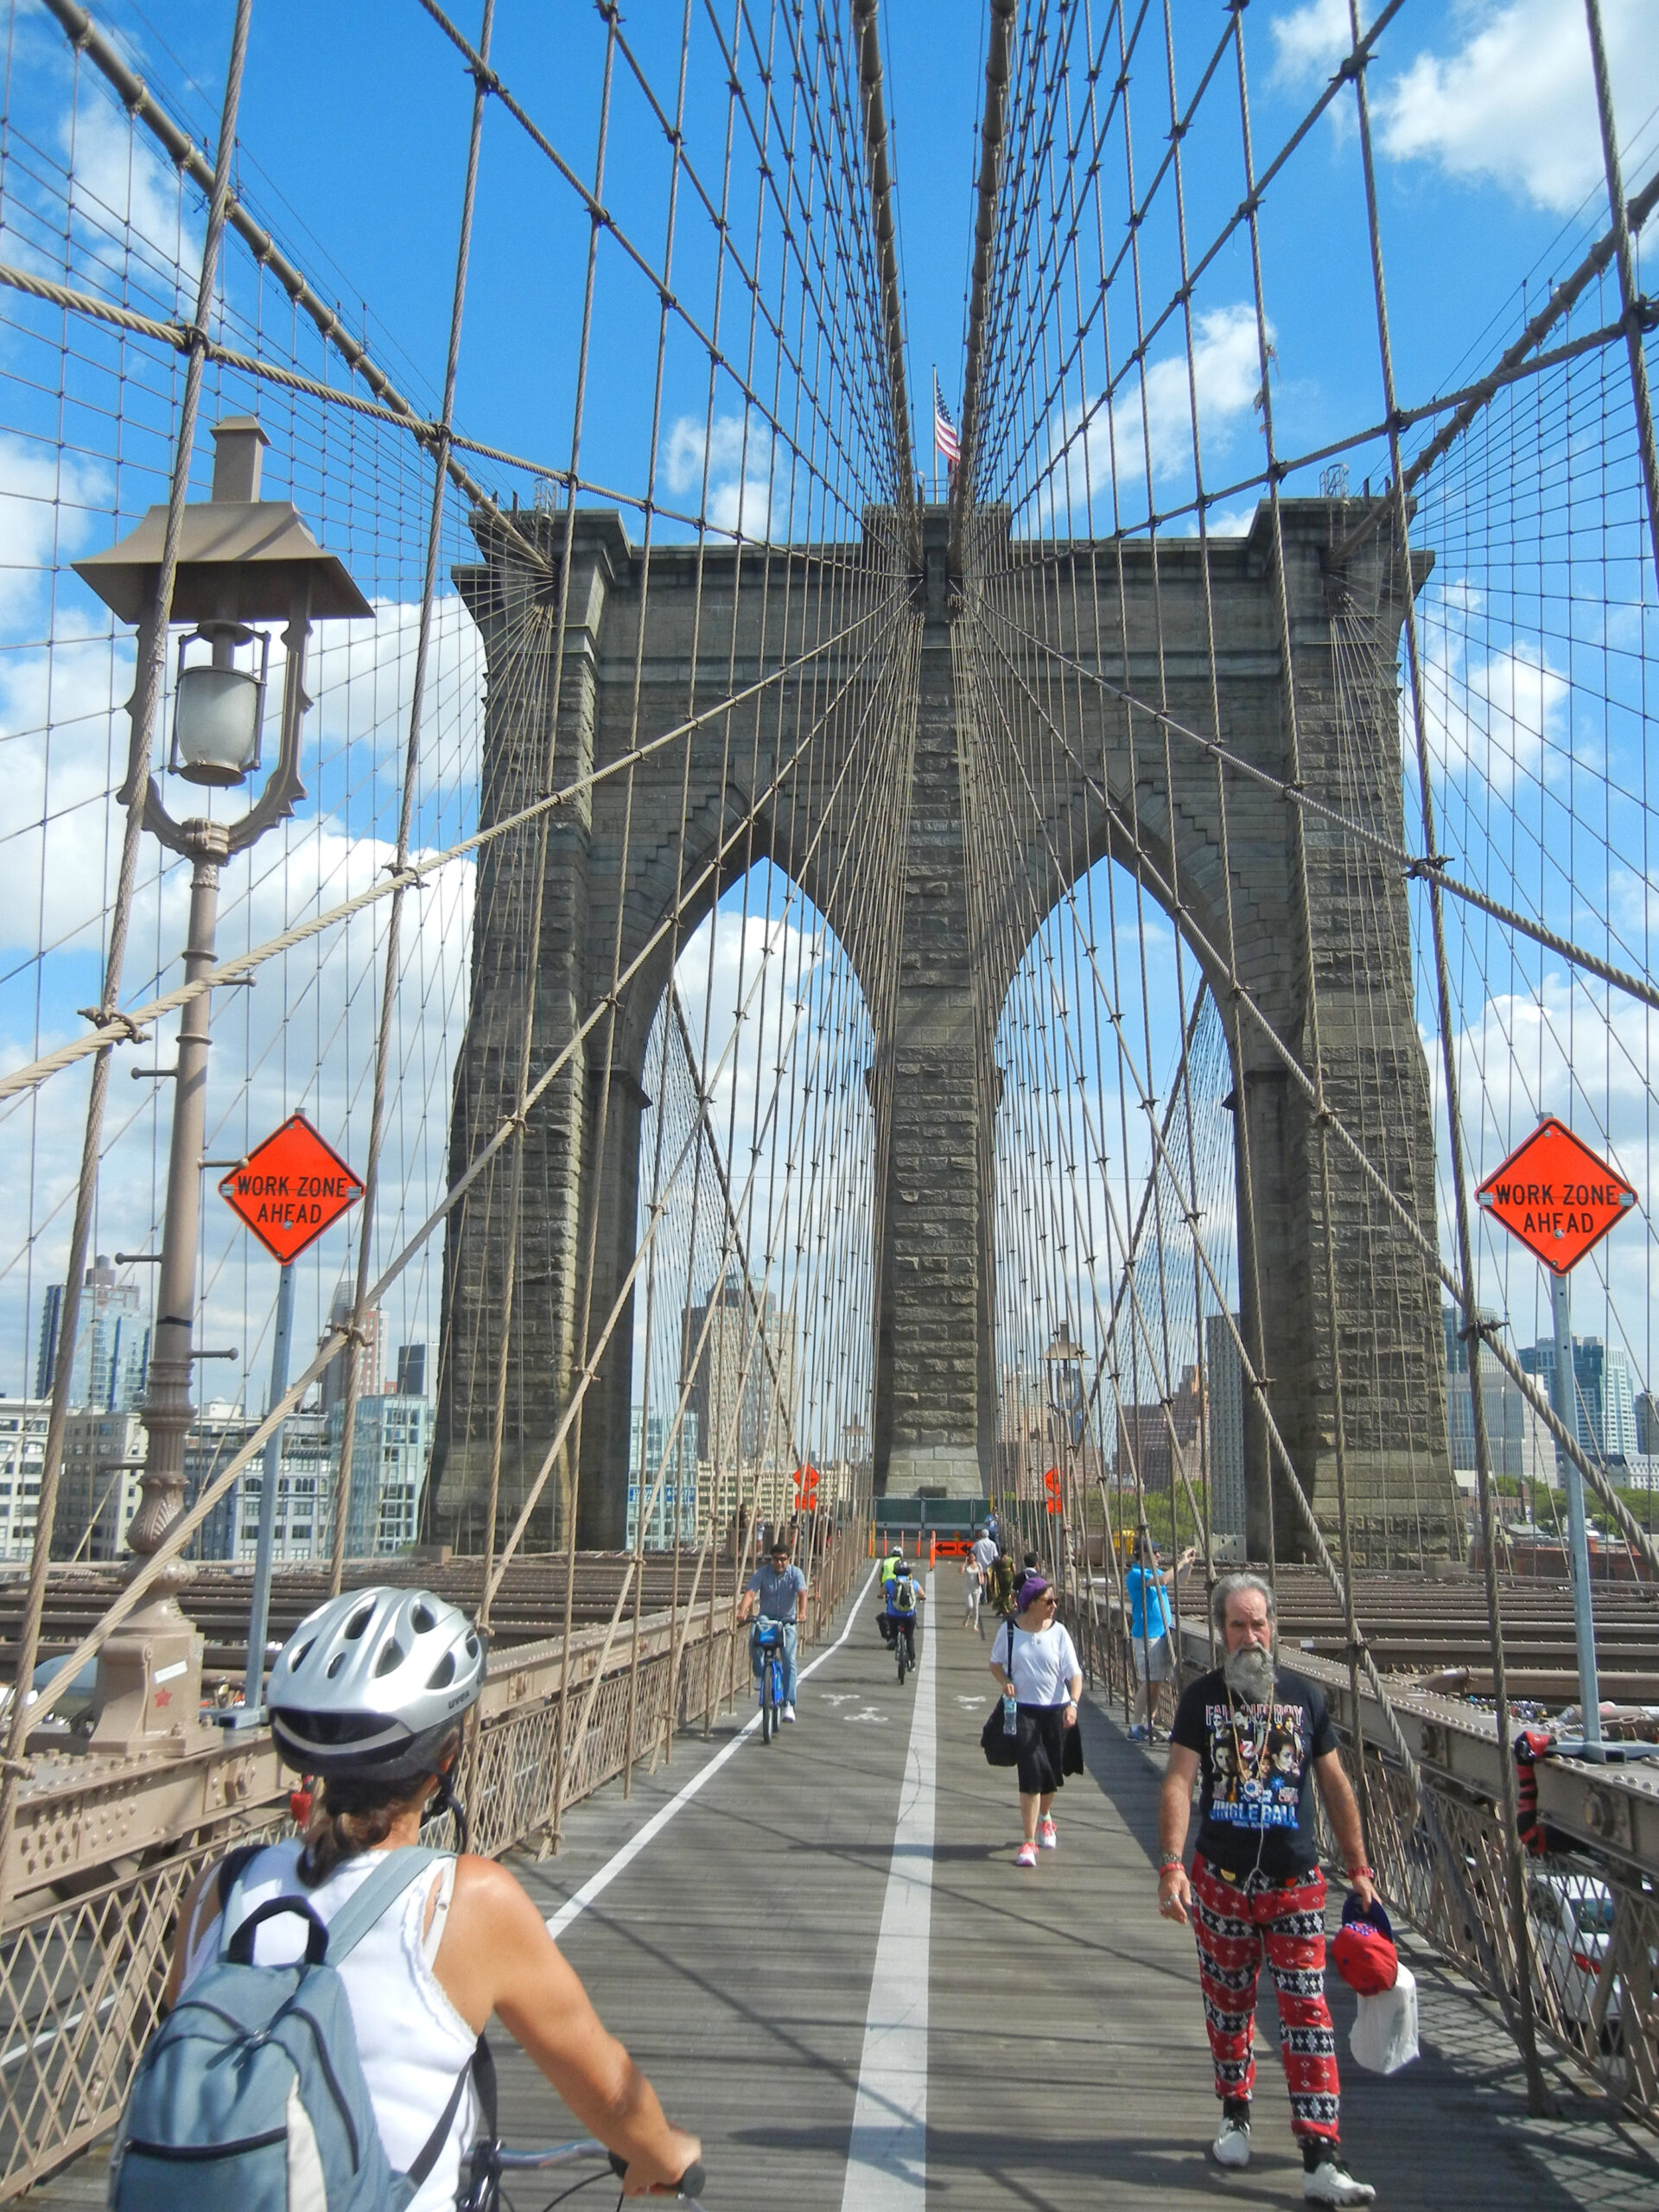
[(1035, 1662)]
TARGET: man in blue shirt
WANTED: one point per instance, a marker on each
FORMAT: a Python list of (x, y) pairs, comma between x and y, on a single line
[(778, 1593), (1145, 1585)]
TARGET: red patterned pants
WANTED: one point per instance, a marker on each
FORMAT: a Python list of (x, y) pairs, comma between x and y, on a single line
[(1237, 1923)]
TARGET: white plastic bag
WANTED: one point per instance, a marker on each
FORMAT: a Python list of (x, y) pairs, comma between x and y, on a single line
[(1384, 2038)]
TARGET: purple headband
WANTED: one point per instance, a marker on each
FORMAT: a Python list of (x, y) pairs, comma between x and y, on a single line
[(1031, 1590)]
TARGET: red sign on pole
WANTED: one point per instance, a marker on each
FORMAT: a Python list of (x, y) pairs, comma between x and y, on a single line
[(290, 1188), (1557, 1196)]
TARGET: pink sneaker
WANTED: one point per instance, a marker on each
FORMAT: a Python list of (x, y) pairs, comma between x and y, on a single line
[(1027, 1855), (1048, 1835)]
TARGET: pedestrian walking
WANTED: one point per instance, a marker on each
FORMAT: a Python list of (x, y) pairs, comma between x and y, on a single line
[(973, 1591), (1035, 1662), (1253, 1734), (999, 1586)]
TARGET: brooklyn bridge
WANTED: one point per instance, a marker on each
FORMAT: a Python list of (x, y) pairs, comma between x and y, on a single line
[(796, 774)]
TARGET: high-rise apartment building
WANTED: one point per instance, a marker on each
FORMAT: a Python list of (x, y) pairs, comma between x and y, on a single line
[(411, 1370), (371, 1353), (111, 1342), (302, 1530), (1604, 1417), (391, 1450), (23, 1455), (744, 1379), (99, 1484)]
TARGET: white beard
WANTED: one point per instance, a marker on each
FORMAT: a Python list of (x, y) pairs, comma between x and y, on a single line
[(1250, 1673)]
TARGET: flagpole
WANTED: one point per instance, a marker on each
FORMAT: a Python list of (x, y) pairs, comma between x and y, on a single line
[(936, 433)]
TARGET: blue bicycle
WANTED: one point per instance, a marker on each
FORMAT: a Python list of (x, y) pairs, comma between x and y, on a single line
[(767, 1657)]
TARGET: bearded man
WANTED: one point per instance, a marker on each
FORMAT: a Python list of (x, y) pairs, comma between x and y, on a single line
[(1252, 1734)]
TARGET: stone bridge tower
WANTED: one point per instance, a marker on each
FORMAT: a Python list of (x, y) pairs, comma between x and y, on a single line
[(935, 1364)]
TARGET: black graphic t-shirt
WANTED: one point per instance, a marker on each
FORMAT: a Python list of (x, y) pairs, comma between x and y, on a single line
[(1255, 1763)]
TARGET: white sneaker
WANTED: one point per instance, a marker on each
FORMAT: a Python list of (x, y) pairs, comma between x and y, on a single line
[(789, 1713), (1233, 2146), (1332, 2184)]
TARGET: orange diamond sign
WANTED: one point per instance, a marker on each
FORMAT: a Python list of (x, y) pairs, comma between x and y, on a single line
[(1556, 1195), (290, 1188)]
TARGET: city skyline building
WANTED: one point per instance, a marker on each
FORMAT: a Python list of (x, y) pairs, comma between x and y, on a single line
[(111, 1346), (371, 1353), (392, 1452), (100, 1484), (675, 1507), (745, 1385), (22, 1456), (1602, 1417)]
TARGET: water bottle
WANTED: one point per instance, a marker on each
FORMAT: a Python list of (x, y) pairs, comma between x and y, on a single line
[(1010, 1706)]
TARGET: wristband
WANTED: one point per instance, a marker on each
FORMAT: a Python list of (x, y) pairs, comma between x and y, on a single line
[(1170, 1867), (1361, 1872)]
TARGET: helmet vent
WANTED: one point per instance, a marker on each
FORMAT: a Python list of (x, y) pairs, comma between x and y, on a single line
[(300, 1656), (358, 1622), (424, 1619), (391, 1655), (335, 1664), (472, 1647), (444, 1674)]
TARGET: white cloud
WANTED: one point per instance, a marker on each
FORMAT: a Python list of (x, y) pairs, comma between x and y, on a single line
[(1495, 719), (727, 467), (1511, 102), (1310, 40), (1227, 378)]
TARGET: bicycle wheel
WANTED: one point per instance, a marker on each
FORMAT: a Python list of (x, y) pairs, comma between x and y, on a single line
[(903, 1649), (768, 1707)]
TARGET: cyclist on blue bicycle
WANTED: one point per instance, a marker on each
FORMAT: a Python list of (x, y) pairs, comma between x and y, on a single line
[(778, 1593), (903, 1597)]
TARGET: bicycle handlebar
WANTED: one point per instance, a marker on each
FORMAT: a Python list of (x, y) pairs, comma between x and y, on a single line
[(688, 2189)]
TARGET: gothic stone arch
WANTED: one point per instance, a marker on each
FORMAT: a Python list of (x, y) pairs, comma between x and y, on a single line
[(934, 1355)]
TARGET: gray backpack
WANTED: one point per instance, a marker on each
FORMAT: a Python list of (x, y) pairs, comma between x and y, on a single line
[(251, 2097)]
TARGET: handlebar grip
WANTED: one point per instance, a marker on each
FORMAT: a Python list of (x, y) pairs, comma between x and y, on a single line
[(691, 2182)]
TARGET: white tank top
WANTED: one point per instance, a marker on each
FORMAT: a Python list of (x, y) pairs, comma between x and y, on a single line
[(411, 2041)]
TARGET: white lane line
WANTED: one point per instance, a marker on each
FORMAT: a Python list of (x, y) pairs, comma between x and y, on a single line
[(886, 2159), (596, 1883)]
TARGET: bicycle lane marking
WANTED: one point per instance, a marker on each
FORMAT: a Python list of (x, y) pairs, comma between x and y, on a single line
[(619, 1860), (887, 2158)]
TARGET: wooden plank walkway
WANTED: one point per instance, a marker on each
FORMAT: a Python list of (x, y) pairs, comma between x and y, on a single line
[(1067, 2066)]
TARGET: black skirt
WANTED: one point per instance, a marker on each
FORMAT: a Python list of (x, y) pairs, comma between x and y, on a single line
[(1049, 1750)]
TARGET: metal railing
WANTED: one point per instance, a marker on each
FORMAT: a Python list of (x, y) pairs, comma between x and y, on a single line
[(109, 1849)]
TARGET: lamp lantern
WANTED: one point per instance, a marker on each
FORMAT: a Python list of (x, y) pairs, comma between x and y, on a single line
[(218, 707)]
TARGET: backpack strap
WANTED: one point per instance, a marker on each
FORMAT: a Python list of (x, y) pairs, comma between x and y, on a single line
[(388, 1882), (479, 2069)]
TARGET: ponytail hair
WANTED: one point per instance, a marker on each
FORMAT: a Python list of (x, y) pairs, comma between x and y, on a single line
[(354, 1813)]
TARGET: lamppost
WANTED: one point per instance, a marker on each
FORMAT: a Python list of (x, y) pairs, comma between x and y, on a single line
[(1068, 1415), (242, 559)]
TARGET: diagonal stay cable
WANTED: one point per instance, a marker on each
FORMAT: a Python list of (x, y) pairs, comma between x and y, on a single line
[(123, 1027)]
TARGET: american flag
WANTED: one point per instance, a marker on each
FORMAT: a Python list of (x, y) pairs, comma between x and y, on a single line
[(946, 440)]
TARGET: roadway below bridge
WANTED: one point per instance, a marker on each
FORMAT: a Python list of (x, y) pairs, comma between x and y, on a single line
[(823, 1954)]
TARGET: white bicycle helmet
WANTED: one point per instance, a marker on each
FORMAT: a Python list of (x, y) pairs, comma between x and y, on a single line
[(374, 1683)]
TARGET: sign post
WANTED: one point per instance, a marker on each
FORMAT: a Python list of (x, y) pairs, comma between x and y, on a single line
[(1559, 1199), (288, 1191)]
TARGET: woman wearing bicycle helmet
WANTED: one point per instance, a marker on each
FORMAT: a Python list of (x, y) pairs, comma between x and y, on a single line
[(369, 1694)]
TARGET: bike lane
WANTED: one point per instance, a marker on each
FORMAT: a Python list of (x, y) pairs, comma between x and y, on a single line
[(734, 1951)]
